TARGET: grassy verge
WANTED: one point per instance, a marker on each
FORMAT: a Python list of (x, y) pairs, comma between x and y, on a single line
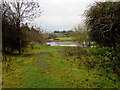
[(47, 67)]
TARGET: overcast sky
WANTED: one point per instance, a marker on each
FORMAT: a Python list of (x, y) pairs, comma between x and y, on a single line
[(61, 14)]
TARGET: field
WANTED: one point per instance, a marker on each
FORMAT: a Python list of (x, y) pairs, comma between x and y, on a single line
[(47, 67), (65, 38), (79, 48)]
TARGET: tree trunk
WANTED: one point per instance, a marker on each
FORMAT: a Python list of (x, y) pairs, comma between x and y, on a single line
[(19, 41), (18, 27), (19, 46), (89, 44)]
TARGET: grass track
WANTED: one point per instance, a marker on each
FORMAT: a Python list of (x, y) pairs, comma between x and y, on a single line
[(60, 73)]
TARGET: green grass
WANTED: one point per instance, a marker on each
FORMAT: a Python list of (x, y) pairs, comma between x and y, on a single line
[(26, 72), (65, 38)]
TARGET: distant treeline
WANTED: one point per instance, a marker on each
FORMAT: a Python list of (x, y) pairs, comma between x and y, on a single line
[(63, 31)]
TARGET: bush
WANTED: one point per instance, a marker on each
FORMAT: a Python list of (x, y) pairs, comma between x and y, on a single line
[(103, 22), (106, 58)]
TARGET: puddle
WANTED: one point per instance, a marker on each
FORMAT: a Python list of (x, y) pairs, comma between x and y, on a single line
[(28, 55), (43, 65), (44, 54)]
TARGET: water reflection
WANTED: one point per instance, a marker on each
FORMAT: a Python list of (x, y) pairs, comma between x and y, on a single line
[(62, 43), (84, 44)]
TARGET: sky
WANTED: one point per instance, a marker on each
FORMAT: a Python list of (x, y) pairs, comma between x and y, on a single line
[(61, 14)]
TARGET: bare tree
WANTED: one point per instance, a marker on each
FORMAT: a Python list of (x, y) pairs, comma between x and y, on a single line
[(18, 11)]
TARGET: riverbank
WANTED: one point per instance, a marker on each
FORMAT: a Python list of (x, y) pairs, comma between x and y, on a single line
[(47, 67)]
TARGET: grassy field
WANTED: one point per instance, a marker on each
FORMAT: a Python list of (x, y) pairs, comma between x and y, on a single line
[(65, 38), (47, 67)]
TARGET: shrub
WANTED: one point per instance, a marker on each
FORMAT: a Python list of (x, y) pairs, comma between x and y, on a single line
[(106, 58)]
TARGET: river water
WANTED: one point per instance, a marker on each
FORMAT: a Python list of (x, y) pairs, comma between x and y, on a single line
[(68, 44), (62, 43)]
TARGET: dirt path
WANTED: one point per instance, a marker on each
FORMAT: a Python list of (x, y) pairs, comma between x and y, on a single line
[(42, 63)]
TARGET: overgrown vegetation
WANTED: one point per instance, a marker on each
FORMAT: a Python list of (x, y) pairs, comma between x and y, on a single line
[(82, 36), (42, 66), (103, 21), (16, 35), (57, 71), (104, 58)]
